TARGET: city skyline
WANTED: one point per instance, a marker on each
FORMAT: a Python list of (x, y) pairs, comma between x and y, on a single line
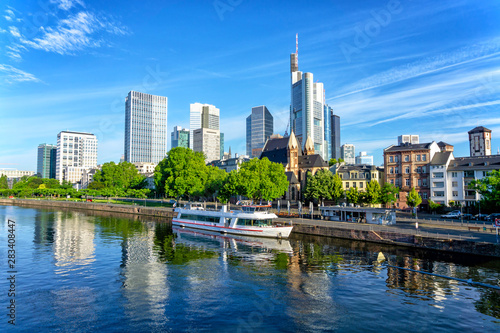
[(388, 68)]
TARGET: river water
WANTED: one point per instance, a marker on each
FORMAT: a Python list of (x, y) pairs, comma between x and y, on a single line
[(78, 271)]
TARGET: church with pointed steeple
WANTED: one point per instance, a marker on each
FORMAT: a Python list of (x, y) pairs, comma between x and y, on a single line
[(297, 162)]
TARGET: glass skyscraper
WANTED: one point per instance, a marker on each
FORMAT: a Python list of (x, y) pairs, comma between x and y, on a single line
[(46, 161), (146, 134), (260, 126), (180, 137), (335, 127), (307, 108)]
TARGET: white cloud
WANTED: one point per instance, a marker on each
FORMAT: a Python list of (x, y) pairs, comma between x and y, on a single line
[(11, 74), (10, 15), (14, 32), (67, 4)]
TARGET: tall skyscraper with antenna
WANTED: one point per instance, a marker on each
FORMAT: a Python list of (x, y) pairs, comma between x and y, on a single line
[(307, 107)]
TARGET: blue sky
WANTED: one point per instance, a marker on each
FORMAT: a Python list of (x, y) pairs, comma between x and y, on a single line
[(389, 67)]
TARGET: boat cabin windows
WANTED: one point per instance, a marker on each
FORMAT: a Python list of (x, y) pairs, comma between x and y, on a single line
[(201, 218), (252, 209), (255, 223)]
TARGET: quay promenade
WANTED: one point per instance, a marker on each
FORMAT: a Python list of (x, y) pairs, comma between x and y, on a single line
[(451, 236)]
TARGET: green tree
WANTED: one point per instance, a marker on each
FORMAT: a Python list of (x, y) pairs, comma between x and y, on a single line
[(4, 183), (123, 175), (373, 192), (352, 196), (433, 206), (489, 188), (388, 194), (318, 185), (232, 186), (182, 173), (332, 161), (336, 188), (215, 181), (413, 199), (263, 179)]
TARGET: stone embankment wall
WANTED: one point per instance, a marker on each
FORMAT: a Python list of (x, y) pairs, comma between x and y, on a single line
[(113, 208), (460, 246), (451, 245)]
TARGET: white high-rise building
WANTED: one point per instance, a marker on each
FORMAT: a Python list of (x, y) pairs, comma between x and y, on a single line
[(307, 108), (202, 116), (76, 151), (348, 153), (364, 158), (146, 135), (207, 141)]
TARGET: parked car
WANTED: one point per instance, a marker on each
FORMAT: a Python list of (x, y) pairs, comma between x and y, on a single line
[(467, 216), (480, 217), (492, 217), (452, 215)]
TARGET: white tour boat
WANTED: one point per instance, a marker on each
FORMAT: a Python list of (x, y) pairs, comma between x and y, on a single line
[(249, 221)]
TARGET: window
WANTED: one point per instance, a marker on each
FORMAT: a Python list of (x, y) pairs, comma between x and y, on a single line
[(360, 185), (396, 159), (391, 170), (419, 182), (391, 159), (454, 184), (424, 195), (353, 184), (346, 184), (419, 169), (424, 169), (418, 158), (396, 170), (484, 173), (454, 193), (392, 181), (407, 181), (407, 158), (407, 170), (424, 157), (424, 182), (454, 174)]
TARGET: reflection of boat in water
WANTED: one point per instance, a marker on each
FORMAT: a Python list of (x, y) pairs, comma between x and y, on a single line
[(214, 240), (249, 221)]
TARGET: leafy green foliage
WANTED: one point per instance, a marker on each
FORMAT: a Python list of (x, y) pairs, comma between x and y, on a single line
[(318, 185), (388, 194), (182, 173), (3, 182), (262, 179), (433, 205), (215, 181), (123, 175), (373, 192), (336, 189), (333, 161), (413, 199), (352, 196), (489, 189), (232, 186)]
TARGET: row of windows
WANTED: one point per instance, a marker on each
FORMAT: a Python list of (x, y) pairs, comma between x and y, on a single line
[(407, 182), (254, 223), (201, 218), (406, 158), (354, 184), (395, 170)]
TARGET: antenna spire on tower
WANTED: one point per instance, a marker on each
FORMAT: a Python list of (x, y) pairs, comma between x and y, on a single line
[(297, 50)]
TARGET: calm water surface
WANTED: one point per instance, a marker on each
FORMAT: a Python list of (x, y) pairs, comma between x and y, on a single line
[(87, 272)]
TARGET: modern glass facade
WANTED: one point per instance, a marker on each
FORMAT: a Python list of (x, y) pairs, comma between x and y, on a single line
[(307, 118), (145, 127), (202, 116), (180, 137), (335, 126), (260, 126), (46, 161), (328, 133)]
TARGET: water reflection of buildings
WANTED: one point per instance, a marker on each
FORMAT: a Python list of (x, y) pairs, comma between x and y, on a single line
[(145, 282), (73, 239)]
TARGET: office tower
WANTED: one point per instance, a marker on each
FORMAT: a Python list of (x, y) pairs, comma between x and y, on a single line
[(307, 107), (46, 161), (480, 141), (202, 116), (76, 151), (180, 137), (260, 126), (221, 146), (207, 141), (328, 132), (363, 158), (145, 127), (335, 126), (348, 155)]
